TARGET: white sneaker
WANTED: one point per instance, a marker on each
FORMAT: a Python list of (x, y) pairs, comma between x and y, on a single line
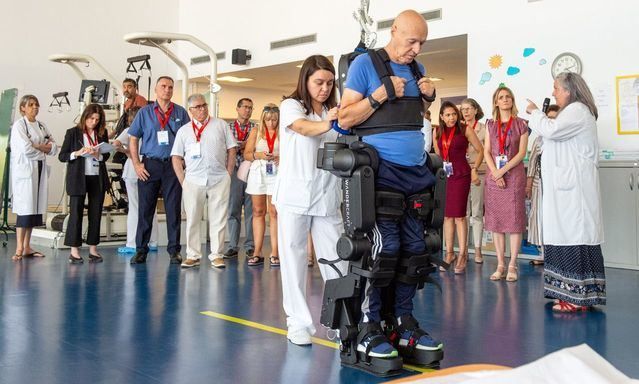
[(299, 337)]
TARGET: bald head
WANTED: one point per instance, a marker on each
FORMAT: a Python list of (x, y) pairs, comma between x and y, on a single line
[(408, 34), (410, 19)]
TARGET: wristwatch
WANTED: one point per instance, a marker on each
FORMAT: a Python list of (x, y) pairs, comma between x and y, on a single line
[(374, 103), (431, 98)]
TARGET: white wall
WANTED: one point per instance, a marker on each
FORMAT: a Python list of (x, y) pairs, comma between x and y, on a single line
[(602, 34), (32, 30)]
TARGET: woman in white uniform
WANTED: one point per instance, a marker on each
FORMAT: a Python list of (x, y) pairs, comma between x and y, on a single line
[(307, 198), (263, 149), (130, 178), (30, 143), (572, 230)]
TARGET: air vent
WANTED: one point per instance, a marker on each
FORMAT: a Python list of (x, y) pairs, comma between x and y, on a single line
[(206, 59), (428, 16), (294, 41)]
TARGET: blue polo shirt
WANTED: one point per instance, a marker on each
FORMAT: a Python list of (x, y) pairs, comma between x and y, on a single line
[(146, 125), (404, 147)]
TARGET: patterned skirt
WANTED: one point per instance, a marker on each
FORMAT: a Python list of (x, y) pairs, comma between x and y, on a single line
[(575, 274)]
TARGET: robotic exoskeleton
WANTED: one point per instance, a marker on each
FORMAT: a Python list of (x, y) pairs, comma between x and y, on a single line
[(356, 164)]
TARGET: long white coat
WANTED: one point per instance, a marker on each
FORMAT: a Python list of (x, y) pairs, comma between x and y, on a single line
[(570, 176), (28, 199)]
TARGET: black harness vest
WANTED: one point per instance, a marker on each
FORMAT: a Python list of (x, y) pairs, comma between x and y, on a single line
[(396, 114)]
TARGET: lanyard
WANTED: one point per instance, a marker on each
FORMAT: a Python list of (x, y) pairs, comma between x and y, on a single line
[(270, 141), (446, 141), (474, 125), (198, 131), (163, 118), (241, 133), (91, 141), (502, 138)]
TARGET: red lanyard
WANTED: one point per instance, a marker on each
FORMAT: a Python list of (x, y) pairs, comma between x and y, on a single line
[(198, 131), (474, 125), (446, 141), (163, 118), (270, 141), (91, 141), (241, 133), (502, 138)]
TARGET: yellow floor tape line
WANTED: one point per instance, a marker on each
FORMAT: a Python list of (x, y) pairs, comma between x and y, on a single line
[(282, 332)]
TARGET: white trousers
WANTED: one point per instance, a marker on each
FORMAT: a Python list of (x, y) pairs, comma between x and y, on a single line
[(194, 197), (476, 211), (292, 236), (132, 216)]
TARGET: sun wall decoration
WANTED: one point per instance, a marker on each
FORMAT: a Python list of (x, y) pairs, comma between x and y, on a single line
[(495, 61)]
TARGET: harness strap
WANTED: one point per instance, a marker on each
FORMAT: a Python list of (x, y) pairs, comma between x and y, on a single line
[(381, 63)]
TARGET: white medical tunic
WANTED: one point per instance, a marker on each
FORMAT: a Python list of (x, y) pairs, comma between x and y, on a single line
[(301, 187), (28, 198), (570, 176)]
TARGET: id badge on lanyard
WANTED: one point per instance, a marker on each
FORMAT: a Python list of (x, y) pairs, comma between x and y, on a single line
[(448, 168), (446, 143), (163, 137), (500, 161), (95, 163), (196, 150), (271, 169)]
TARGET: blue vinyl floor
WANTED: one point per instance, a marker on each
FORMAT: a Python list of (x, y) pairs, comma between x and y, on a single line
[(117, 323)]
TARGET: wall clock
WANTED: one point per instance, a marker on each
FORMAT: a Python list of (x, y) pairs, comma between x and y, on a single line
[(566, 62)]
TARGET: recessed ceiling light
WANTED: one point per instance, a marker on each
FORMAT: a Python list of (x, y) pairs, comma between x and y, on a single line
[(298, 66), (435, 79), (233, 79)]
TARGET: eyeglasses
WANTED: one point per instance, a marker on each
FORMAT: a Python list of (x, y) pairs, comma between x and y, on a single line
[(200, 107), (271, 109), (466, 109)]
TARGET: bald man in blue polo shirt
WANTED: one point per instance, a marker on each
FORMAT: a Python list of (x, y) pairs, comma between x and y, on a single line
[(156, 126), (403, 168)]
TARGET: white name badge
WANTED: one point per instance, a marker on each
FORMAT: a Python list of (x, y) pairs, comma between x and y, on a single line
[(195, 151), (448, 168), (500, 161), (271, 168), (95, 163), (163, 137)]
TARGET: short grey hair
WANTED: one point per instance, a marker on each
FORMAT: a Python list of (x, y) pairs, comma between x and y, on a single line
[(578, 89), (24, 100), (193, 97)]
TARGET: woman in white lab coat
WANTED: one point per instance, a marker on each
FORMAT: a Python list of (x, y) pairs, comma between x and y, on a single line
[(130, 178), (571, 206), (30, 143), (307, 198)]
